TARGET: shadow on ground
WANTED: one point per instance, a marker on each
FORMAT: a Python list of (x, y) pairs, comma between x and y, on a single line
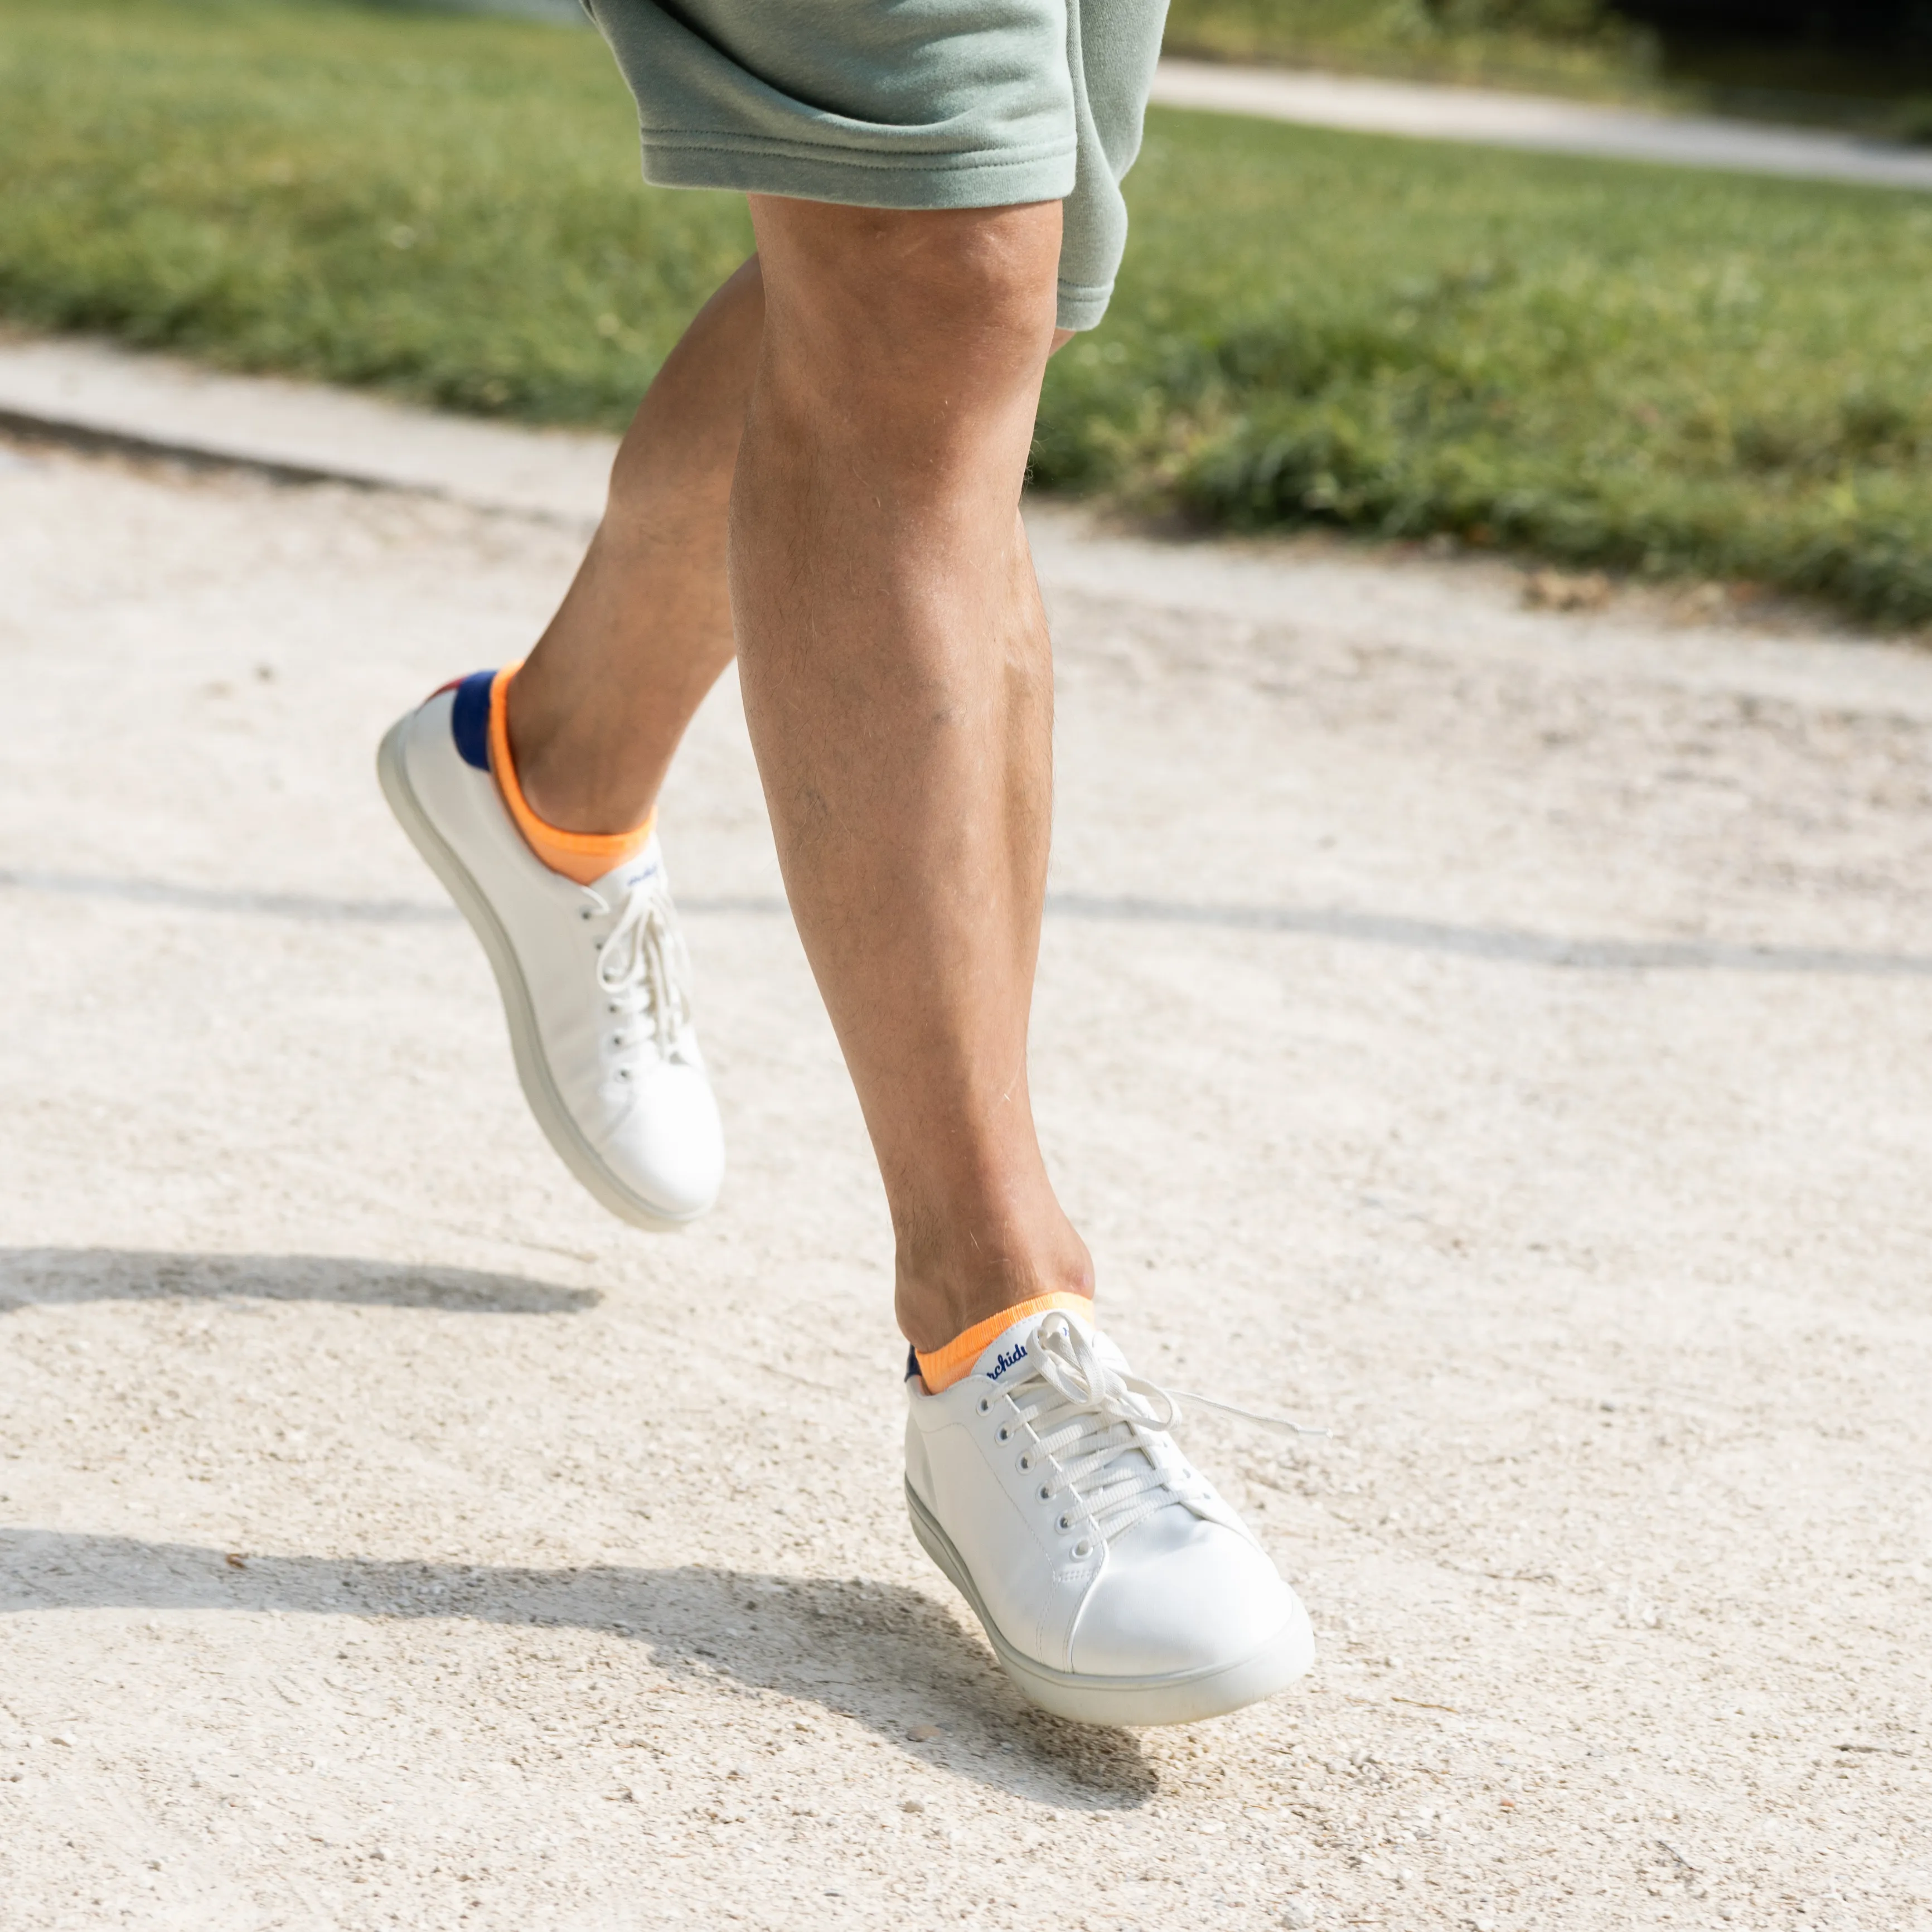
[(29, 1277), (892, 1658), (1508, 944)]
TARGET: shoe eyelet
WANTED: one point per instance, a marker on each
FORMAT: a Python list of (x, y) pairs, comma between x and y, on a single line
[(1026, 1459), (986, 1401), (583, 912), (1065, 1523), (1002, 1433), (623, 1073), (1083, 1549), (1045, 1494)]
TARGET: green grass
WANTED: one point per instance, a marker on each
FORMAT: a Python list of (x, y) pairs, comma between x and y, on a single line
[(1606, 364), (1575, 47), (444, 206), (1579, 47), (1672, 372)]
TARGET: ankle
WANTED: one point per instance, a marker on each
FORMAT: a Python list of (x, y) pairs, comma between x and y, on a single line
[(569, 777), (939, 1296)]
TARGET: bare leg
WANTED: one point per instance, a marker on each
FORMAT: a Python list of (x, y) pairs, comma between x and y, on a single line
[(597, 711), (645, 629), (897, 681)]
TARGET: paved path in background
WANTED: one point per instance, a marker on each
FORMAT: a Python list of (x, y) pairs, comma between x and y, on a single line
[(95, 394), (1499, 1036), (1491, 118)]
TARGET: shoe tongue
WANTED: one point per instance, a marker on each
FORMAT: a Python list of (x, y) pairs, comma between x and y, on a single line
[(1008, 1358), (617, 882)]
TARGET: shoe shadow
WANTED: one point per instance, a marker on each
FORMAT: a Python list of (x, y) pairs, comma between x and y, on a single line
[(31, 1275), (887, 1656)]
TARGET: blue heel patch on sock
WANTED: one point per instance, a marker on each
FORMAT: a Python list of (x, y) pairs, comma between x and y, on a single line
[(912, 1363), (469, 718)]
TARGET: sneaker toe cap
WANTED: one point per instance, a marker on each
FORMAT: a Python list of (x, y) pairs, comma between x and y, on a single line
[(668, 1145), (1180, 1594)]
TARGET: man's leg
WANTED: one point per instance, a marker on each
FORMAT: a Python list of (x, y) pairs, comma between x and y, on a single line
[(532, 796), (599, 706), (897, 681), (898, 685)]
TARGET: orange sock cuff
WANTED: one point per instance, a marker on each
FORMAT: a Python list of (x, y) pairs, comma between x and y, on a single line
[(584, 856), (954, 1363)]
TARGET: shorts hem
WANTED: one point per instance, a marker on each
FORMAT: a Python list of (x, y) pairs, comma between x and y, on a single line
[(1080, 305), (912, 181)]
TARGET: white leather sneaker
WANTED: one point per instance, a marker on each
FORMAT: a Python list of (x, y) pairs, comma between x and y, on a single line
[(1116, 1586), (594, 979)]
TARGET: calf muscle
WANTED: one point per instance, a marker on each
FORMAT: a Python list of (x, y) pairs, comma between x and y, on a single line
[(897, 678)]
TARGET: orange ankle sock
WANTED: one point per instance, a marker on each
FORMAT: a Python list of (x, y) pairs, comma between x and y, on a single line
[(584, 856), (944, 1367)]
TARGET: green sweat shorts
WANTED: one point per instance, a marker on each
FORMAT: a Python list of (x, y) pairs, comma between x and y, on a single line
[(902, 104)]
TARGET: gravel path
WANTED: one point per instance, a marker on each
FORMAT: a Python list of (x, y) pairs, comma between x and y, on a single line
[(1500, 1035)]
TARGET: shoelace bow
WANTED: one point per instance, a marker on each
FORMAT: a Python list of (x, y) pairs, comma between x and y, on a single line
[(642, 965), (1096, 1431)]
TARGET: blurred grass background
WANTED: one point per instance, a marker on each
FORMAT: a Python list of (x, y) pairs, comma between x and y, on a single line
[(444, 205), (1603, 364), (1867, 68), (1578, 46)]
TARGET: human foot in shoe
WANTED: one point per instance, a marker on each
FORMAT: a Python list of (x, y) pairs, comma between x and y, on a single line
[(594, 977), (1115, 1585)]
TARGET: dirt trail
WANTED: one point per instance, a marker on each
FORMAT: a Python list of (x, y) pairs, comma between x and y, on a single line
[(1501, 1037)]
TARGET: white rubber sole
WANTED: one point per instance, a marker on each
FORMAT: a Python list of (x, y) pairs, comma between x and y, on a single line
[(1185, 1697), (533, 1073)]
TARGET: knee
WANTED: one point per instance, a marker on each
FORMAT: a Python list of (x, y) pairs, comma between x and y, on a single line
[(968, 291)]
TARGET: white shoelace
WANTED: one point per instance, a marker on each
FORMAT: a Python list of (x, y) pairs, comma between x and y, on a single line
[(644, 970), (1099, 1434)]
